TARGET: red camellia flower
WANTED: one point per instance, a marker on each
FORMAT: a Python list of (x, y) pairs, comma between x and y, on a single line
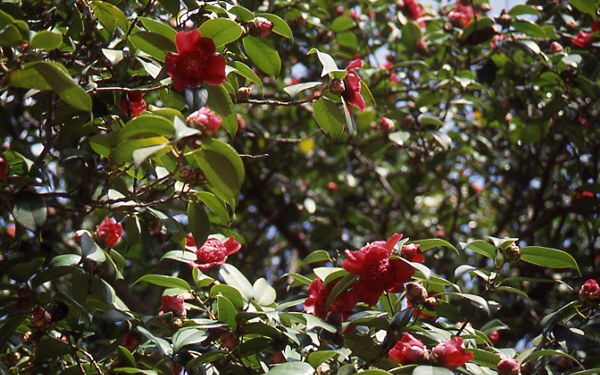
[(408, 350), (174, 305), (590, 292), (377, 271), (316, 303), (352, 86), (494, 336), (412, 253), (508, 367), (133, 103), (584, 39), (451, 354), (413, 11), (212, 253), (205, 120), (109, 231), (461, 15), (195, 62)]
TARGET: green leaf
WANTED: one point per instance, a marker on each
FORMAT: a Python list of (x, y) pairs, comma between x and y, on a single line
[(482, 302), (512, 290), (232, 276), (411, 33), (109, 16), (141, 154), (172, 6), (344, 284), (215, 204), (586, 6), (229, 292), (547, 257), (187, 336), (317, 256), (263, 55), (198, 222), (62, 84), (329, 116), (264, 294), (124, 151), (296, 368), (90, 249), (163, 345), (227, 311), (155, 45), (294, 90), (327, 61), (46, 40), (51, 348), (166, 281), (522, 9), (546, 352), (220, 102), (342, 23), (431, 370), (324, 272), (23, 271), (374, 372), (279, 25), (158, 27), (482, 247), (133, 370), (245, 71), (29, 210), (11, 324), (529, 28), (145, 126), (484, 357), (433, 242), (29, 78), (182, 256), (222, 31), (318, 357), (230, 154)]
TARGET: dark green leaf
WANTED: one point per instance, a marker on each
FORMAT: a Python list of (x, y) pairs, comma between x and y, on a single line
[(163, 345), (155, 45), (145, 126), (29, 210), (245, 71), (227, 311), (522, 9), (109, 16), (23, 271), (166, 281), (344, 284), (215, 204), (329, 117), (220, 102), (62, 84), (187, 336), (484, 357), (586, 6), (51, 348), (198, 222), (529, 28), (482, 247), (232, 294), (434, 242), (321, 356)]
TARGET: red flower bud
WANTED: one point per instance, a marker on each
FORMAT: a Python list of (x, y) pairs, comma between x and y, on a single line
[(508, 367), (109, 231), (205, 120), (451, 354), (409, 350), (590, 292)]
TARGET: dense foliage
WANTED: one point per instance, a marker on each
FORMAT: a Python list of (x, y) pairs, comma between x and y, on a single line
[(247, 187)]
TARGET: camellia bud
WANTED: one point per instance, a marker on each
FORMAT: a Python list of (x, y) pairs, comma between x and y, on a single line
[(40, 318), (337, 86), (590, 292), (243, 93), (483, 7), (260, 27), (385, 125), (509, 367), (556, 47), (504, 19), (205, 120), (188, 175), (416, 293), (3, 168), (229, 339), (431, 304), (512, 253)]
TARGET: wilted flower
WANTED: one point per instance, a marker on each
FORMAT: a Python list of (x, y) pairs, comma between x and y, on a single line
[(195, 62), (132, 103), (212, 253), (109, 231), (508, 367), (205, 120), (451, 354), (590, 292), (352, 83), (409, 350), (377, 271), (316, 303)]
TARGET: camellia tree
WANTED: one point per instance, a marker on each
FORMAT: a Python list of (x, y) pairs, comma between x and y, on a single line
[(299, 187)]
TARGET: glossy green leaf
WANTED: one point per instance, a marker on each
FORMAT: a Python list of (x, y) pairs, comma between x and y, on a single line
[(29, 78), (23, 271), (63, 85), (215, 204), (233, 277), (231, 293), (46, 40), (329, 116), (158, 27), (263, 55), (155, 45), (172, 6), (294, 90), (344, 284), (482, 247), (180, 256), (220, 102), (109, 16), (245, 71), (317, 357), (198, 222), (586, 6), (222, 31), (546, 352), (187, 336), (529, 28), (227, 311), (432, 370), (484, 357), (11, 324), (482, 302), (90, 249), (547, 257), (327, 61), (374, 372), (317, 256), (145, 126), (142, 154), (279, 25), (264, 294), (296, 368), (164, 280), (124, 151), (29, 210), (163, 345), (50, 347), (522, 9), (434, 242), (411, 33)]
